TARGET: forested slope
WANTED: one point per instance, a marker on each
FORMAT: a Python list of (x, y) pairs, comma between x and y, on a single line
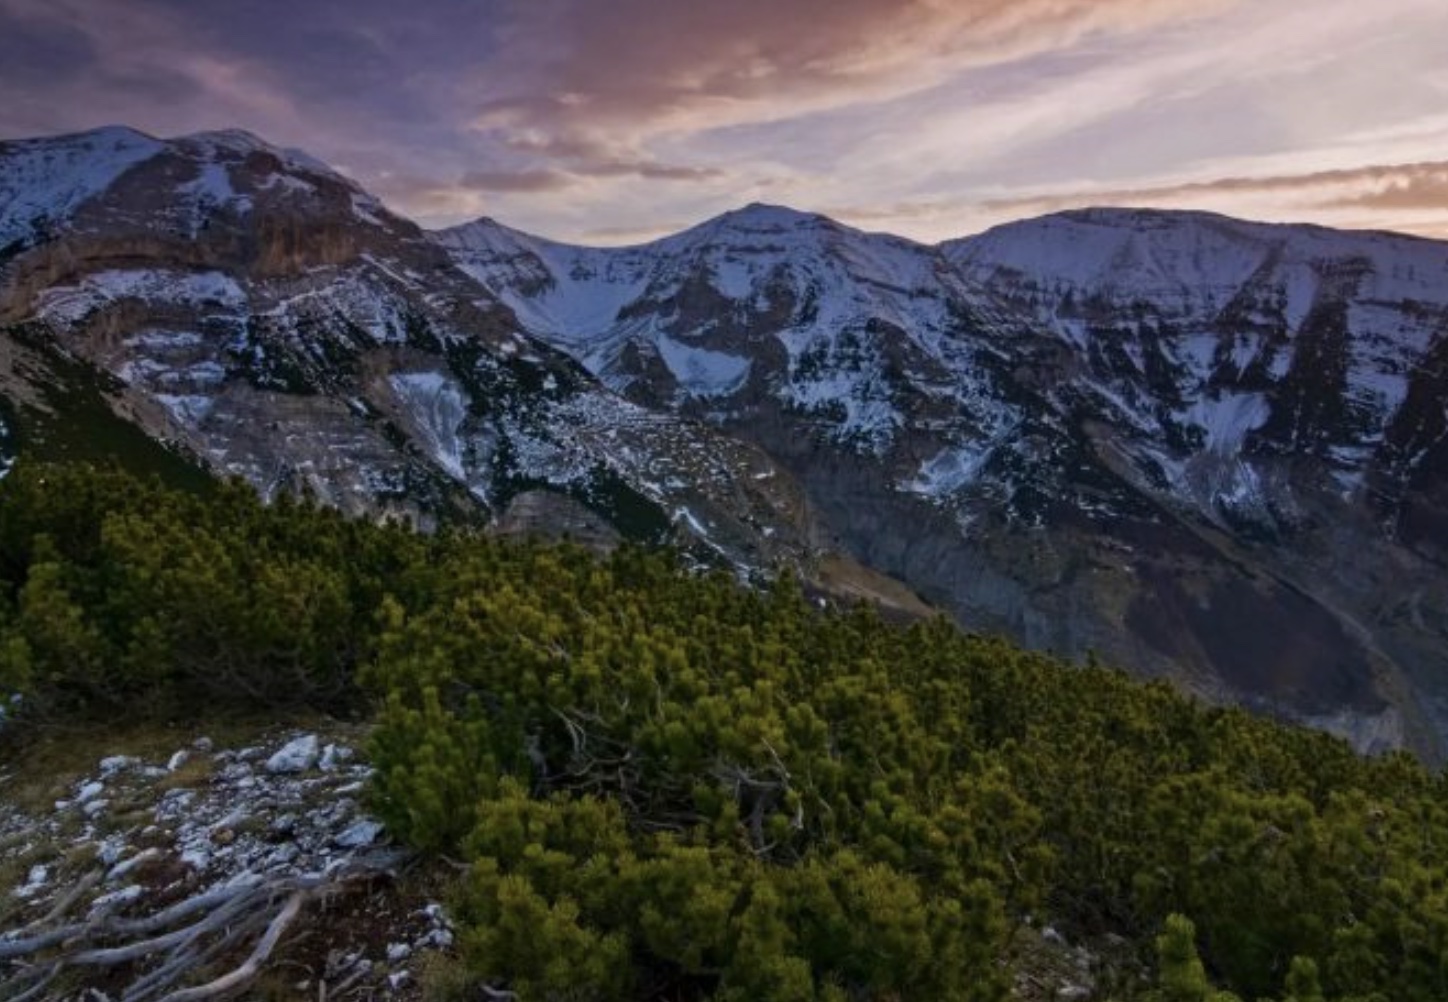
[(666, 785)]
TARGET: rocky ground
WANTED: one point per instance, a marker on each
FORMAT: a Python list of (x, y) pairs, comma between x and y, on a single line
[(159, 871), (145, 873)]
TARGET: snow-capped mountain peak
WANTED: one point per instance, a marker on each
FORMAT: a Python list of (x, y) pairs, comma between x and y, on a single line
[(1197, 446), (1076, 376), (43, 181)]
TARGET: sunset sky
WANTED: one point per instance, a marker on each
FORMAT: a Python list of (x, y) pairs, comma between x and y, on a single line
[(610, 121)]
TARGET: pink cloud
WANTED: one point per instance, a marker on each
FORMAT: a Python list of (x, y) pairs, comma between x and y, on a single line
[(571, 71)]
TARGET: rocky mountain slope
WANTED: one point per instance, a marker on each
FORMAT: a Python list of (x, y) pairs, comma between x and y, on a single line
[(264, 317), (1200, 448)]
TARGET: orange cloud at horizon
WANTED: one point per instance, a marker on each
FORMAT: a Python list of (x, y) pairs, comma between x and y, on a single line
[(582, 120)]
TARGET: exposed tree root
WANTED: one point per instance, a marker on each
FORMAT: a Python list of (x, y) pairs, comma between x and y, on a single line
[(180, 943)]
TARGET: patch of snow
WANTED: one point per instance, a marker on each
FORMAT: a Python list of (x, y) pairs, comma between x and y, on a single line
[(47, 180), (1301, 287), (734, 275), (35, 882), (438, 408), (70, 304), (1383, 392), (1141, 420), (288, 182), (1281, 363), (1245, 350), (366, 208), (212, 190), (189, 409), (692, 522), (1228, 419), (163, 340), (703, 373), (950, 470)]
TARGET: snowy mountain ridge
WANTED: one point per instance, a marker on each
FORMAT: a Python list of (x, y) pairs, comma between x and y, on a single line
[(1092, 378), (1200, 448), (268, 318)]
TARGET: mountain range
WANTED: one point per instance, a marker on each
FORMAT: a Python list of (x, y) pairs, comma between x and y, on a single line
[(1203, 449)]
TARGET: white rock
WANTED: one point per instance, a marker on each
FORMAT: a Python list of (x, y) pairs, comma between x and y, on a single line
[(196, 858), (297, 755), (438, 939), (89, 792), (177, 760), (203, 744), (397, 980), (363, 831), (283, 855), (93, 808), (334, 756), (233, 820), (115, 763), (398, 952)]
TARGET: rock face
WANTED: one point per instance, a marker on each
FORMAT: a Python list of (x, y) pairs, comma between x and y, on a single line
[(266, 318), (1199, 448)]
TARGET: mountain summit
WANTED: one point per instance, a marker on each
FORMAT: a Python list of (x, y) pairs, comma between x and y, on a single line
[(1201, 448)]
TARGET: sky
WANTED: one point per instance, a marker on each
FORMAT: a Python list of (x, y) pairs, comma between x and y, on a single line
[(616, 121)]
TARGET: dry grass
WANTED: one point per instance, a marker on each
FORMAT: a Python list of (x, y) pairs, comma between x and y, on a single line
[(852, 581), (44, 768)]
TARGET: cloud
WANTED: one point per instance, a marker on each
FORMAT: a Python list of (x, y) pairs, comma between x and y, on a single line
[(650, 171), (932, 117), (1387, 186), (633, 234), (532, 180), (515, 180), (573, 69), (1412, 186)]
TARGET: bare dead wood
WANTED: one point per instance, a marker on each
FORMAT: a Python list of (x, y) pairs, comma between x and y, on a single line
[(64, 903), (180, 942), (247, 972), (33, 992)]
